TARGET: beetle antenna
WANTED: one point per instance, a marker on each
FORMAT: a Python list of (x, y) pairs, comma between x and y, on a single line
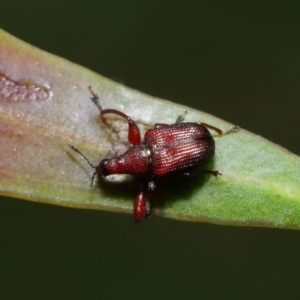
[(76, 150), (93, 177), (94, 167)]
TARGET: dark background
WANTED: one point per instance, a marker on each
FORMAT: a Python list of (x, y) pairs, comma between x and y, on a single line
[(238, 60)]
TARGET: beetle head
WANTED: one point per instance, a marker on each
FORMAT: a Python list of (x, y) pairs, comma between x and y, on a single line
[(102, 170)]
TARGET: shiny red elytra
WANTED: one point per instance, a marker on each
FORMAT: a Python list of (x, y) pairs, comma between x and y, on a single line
[(166, 149)]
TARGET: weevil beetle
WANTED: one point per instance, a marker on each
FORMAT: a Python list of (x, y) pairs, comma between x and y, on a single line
[(166, 149)]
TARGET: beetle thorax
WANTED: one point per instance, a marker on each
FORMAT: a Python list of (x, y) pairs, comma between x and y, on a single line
[(134, 161)]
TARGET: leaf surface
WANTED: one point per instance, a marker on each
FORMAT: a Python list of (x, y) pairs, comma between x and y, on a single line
[(45, 105)]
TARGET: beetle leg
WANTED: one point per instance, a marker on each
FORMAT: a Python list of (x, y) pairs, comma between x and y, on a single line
[(232, 129), (213, 172), (148, 209), (134, 135), (139, 206), (219, 131), (95, 98), (181, 118), (151, 188), (159, 125), (142, 207)]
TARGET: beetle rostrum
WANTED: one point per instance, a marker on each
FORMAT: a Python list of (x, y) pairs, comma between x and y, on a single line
[(166, 149)]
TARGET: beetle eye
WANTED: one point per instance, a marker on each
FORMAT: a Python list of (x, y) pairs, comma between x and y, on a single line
[(103, 170)]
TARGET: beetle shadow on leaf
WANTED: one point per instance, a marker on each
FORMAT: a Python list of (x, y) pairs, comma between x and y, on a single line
[(169, 189), (125, 188), (177, 187)]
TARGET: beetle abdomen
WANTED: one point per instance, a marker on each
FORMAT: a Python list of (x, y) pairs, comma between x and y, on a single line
[(178, 146)]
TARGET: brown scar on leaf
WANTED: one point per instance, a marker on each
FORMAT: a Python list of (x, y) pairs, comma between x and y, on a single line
[(11, 90)]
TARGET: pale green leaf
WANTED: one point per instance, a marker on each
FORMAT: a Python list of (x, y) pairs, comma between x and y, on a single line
[(45, 105)]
